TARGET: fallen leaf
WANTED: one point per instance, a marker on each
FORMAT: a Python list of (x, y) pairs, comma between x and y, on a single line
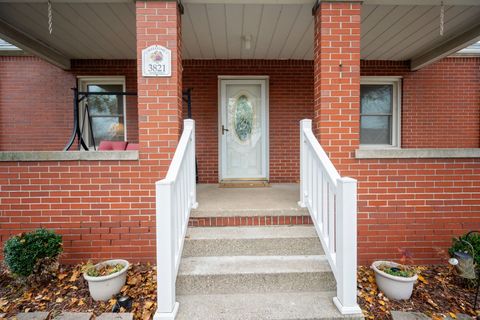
[(422, 279), (433, 304), (74, 276), (148, 304)]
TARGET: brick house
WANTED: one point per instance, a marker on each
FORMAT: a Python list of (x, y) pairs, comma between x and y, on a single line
[(389, 104)]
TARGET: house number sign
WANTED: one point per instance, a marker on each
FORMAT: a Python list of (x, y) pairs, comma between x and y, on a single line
[(156, 62)]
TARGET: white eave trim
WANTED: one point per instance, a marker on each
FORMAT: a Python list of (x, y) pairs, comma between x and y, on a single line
[(30, 45), (450, 47), (425, 153)]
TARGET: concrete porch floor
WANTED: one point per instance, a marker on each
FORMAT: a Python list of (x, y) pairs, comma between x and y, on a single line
[(276, 200)]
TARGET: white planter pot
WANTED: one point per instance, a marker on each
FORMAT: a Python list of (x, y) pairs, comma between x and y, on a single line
[(103, 288), (398, 288)]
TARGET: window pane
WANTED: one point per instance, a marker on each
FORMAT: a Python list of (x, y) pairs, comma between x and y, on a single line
[(108, 128), (376, 99), (105, 105), (375, 130)]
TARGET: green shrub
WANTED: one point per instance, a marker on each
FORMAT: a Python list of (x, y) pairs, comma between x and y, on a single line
[(34, 252), (459, 245)]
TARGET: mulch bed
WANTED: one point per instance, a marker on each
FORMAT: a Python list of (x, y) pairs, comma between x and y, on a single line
[(69, 292), (439, 293)]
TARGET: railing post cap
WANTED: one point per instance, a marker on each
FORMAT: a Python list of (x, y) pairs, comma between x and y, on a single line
[(189, 122), (164, 182), (347, 180), (306, 123)]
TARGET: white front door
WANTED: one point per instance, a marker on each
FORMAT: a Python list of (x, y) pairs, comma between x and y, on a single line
[(243, 129)]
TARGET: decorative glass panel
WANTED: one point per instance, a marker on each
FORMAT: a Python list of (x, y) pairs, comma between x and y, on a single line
[(376, 99), (243, 118), (375, 130)]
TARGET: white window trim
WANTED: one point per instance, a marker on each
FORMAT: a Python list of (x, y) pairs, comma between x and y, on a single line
[(396, 112), (84, 81)]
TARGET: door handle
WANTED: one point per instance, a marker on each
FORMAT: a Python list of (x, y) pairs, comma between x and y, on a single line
[(223, 129)]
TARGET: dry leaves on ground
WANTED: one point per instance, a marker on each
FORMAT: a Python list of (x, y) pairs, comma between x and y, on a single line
[(438, 293), (69, 292)]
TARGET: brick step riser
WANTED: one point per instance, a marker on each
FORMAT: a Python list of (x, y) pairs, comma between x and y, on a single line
[(249, 221)]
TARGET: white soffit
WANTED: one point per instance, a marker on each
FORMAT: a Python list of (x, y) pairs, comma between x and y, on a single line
[(278, 30), (216, 31), (80, 30), (405, 32)]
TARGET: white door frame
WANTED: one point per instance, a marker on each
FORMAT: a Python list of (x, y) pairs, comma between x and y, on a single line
[(263, 81)]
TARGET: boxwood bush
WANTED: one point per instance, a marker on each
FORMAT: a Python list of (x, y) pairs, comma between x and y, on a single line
[(32, 253)]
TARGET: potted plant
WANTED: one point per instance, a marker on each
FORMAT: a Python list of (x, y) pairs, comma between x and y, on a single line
[(394, 279), (105, 279)]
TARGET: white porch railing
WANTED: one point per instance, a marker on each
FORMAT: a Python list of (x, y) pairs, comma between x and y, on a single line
[(175, 197), (332, 203)]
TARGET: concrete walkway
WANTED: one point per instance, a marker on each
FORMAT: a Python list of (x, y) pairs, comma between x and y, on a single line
[(69, 316), (276, 200)]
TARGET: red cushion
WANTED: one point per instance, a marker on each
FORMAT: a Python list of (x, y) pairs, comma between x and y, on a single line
[(112, 145), (132, 146)]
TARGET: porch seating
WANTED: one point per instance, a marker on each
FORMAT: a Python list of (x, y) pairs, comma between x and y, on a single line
[(108, 145)]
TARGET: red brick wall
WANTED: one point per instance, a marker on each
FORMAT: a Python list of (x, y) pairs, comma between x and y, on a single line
[(417, 204), (105, 209), (420, 204), (36, 108), (35, 105), (291, 99), (440, 107)]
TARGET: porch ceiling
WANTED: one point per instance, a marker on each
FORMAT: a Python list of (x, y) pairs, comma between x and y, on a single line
[(213, 29)]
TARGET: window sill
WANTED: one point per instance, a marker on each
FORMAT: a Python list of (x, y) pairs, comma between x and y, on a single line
[(416, 153), (68, 155)]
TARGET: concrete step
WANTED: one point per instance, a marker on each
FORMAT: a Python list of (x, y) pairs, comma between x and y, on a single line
[(277, 200), (248, 212), (252, 241), (274, 306), (249, 274)]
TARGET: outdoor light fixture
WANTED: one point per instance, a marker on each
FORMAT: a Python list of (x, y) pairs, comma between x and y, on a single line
[(122, 302), (453, 261), (464, 262), (247, 42)]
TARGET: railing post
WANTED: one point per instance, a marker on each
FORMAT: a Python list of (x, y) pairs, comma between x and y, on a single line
[(305, 124), (193, 195), (166, 306), (346, 247)]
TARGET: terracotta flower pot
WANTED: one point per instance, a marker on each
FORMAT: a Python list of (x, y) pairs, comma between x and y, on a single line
[(394, 287), (104, 287)]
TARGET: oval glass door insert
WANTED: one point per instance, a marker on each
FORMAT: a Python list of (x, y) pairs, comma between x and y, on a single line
[(243, 118)]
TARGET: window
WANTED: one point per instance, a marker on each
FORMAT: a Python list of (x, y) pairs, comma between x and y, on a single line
[(107, 112), (380, 112)]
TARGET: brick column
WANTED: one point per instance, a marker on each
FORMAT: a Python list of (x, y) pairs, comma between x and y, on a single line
[(337, 78), (159, 98)]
